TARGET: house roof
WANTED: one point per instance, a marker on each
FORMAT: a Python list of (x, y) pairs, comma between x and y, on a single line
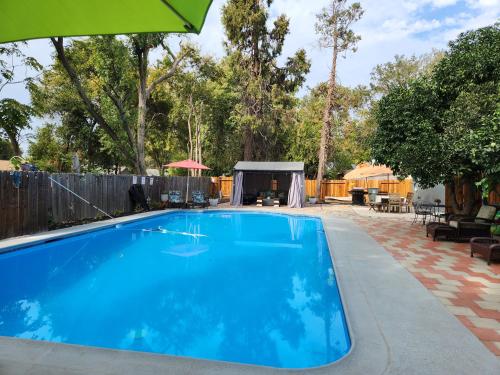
[(6, 165), (269, 166)]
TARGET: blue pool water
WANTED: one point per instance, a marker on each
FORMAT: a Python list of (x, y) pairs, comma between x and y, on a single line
[(246, 287)]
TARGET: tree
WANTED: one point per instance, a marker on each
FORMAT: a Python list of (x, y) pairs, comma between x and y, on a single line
[(402, 71), (265, 89), (11, 57), (121, 67), (445, 124), (351, 136), (14, 117), (6, 151), (334, 27), (48, 152)]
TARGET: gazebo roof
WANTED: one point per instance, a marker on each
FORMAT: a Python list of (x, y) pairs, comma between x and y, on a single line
[(269, 166)]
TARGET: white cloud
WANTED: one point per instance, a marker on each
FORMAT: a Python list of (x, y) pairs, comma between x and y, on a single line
[(478, 4)]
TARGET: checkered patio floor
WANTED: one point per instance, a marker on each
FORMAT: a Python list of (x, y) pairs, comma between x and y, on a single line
[(468, 287)]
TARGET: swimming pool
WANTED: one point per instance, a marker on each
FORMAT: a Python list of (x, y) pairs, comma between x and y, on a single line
[(253, 288)]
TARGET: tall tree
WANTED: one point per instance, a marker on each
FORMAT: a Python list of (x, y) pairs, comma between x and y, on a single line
[(334, 27), (445, 124), (119, 66), (352, 130), (264, 88), (48, 151), (402, 71), (14, 117)]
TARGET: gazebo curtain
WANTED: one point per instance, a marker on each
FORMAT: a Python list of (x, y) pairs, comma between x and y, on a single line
[(237, 197), (296, 197)]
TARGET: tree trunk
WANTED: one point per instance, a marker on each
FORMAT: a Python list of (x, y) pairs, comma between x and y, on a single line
[(327, 122), (468, 193), (14, 143), (190, 133), (142, 109), (248, 146)]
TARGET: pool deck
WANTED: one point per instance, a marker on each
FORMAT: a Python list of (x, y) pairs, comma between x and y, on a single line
[(397, 326)]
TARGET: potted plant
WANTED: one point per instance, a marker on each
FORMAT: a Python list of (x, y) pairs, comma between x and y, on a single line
[(164, 197), (312, 199), (214, 200)]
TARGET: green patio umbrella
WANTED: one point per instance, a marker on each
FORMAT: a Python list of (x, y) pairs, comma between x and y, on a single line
[(33, 19)]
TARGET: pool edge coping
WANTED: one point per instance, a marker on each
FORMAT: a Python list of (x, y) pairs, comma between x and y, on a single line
[(195, 366), (23, 242)]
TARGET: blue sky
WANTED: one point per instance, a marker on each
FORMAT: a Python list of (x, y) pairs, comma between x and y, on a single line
[(388, 27)]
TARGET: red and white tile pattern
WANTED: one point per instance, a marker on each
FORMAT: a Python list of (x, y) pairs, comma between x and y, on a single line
[(468, 287)]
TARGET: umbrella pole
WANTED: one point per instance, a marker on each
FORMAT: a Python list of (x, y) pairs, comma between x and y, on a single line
[(187, 188)]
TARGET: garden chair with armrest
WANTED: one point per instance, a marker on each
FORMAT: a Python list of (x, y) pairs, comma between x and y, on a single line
[(198, 199), (478, 226), (488, 247)]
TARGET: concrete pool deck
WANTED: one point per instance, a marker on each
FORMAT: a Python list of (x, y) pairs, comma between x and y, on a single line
[(397, 325)]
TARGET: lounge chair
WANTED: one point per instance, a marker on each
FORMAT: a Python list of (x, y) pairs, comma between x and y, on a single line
[(175, 199), (478, 226), (198, 199)]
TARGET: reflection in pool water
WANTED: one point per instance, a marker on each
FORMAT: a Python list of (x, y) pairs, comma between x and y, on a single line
[(243, 287)]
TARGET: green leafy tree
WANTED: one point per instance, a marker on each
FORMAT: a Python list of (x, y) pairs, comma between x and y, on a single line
[(48, 151), (11, 57), (265, 90), (351, 131), (445, 124), (111, 78), (334, 28), (14, 117), (402, 71), (6, 151)]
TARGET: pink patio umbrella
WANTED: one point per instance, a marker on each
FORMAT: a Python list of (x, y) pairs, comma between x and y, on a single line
[(187, 164)]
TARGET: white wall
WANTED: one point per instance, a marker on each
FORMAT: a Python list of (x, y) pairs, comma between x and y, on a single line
[(429, 195)]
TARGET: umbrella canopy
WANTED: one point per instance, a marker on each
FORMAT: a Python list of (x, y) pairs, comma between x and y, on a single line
[(187, 164), (33, 19), (363, 171)]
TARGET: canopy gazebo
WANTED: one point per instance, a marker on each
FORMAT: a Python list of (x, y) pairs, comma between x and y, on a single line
[(282, 180)]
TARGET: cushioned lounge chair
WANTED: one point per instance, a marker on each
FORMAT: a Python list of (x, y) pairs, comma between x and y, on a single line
[(478, 226), (175, 199), (198, 199), (463, 227)]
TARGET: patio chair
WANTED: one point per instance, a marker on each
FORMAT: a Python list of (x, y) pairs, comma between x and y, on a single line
[(394, 202), (408, 203), (478, 226), (488, 247), (198, 199), (175, 199), (372, 202), (422, 211)]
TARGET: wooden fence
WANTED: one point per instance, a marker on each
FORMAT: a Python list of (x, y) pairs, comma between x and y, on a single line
[(38, 201), (337, 188), (24, 210), (493, 199)]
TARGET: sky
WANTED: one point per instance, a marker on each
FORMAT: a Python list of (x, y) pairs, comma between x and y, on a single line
[(387, 28)]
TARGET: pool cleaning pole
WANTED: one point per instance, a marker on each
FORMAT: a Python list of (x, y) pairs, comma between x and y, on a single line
[(83, 199)]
